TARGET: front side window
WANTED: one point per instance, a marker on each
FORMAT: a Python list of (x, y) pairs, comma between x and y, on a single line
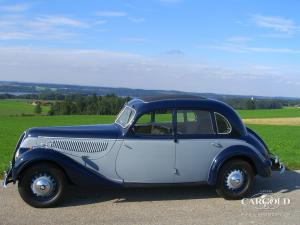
[(194, 122), (154, 123), (223, 125), (125, 117)]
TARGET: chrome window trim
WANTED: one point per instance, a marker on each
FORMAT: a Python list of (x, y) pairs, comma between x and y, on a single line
[(130, 121), (215, 113)]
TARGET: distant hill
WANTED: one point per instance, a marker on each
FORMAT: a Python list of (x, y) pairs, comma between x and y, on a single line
[(18, 88)]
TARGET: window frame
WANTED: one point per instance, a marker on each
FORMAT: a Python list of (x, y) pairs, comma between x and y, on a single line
[(227, 121), (132, 134), (195, 136)]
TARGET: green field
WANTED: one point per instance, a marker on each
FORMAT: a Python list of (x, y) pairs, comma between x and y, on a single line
[(269, 113), (282, 140), (18, 107)]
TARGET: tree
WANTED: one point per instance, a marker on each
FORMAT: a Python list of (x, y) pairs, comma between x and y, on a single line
[(38, 108), (250, 104)]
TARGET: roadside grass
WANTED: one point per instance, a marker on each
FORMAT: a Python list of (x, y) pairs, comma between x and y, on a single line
[(18, 107), (283, 141), (269, 113)]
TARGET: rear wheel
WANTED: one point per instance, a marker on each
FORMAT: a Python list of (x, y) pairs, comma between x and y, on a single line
[(42, 185), (235, 179)]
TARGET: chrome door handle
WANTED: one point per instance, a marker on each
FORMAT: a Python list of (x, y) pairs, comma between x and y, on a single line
[(127, 146), (217, 144)]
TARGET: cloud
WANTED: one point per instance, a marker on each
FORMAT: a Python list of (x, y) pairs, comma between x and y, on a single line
[(121, 69), (62, 21), (44, 27), (111, 13), (278, 24), (16, 8), (246, 49), (175, 52), (136, 19)]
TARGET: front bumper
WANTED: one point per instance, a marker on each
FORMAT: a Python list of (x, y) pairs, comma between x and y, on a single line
[(7, 176), (276, 164)]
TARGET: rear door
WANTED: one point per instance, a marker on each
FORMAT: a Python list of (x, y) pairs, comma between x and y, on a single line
[(196, 145)]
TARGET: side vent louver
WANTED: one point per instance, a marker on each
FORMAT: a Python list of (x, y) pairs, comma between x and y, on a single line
[(79, 145)]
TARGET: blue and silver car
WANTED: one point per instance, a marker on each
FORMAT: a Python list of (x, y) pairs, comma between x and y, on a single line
[(157, 141)]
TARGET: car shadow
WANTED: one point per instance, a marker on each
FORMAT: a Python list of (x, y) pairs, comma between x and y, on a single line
[(284, 183)]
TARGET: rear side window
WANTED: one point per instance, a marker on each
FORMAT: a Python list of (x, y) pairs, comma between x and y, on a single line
[(194, 122), (223, 125)]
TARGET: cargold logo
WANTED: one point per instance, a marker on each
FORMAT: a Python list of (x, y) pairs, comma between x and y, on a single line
[(264, 200)]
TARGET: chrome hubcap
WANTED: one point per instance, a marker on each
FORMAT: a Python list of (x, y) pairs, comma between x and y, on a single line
[(235, 179), (43, 185)]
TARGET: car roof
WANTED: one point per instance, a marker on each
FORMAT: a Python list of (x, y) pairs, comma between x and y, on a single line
[(147, 104)]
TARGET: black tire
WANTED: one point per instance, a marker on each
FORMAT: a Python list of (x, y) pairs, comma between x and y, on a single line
[(223, 182), (27, 177)]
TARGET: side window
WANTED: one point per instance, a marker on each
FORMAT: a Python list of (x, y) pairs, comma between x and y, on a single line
[(154, 123), (223, 125), (194, 122)]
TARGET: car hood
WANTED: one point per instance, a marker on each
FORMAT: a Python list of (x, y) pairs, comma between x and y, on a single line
[(87, 131)]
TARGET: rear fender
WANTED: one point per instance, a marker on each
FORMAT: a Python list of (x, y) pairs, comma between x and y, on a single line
[(262, 165)]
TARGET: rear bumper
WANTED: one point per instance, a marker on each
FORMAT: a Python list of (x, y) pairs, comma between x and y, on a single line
[(7, 176), (276, 164)]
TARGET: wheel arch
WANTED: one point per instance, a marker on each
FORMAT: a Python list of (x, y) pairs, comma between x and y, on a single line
[(240, 152)]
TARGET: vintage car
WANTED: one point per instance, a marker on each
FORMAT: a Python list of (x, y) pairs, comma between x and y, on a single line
[(165, 140)]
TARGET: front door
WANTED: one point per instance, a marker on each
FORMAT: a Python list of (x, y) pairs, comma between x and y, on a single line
[(148, 151), (196, 146)]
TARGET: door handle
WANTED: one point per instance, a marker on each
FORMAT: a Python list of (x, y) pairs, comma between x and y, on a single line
[(217, 144), (127, 146)]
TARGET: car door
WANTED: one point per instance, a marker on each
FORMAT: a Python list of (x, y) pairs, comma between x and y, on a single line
[(196, 145), (148, 151)]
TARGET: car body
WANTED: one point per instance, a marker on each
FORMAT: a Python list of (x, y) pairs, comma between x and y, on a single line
[(163, 140)]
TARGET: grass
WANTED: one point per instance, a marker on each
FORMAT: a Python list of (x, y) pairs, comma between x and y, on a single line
[(270, 113), (283, 141), (18, 107)]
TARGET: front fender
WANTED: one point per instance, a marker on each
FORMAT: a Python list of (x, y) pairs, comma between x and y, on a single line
[(77, 173), (262, 165)]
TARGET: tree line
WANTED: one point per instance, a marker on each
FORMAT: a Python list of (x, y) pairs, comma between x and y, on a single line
[(88, 105)]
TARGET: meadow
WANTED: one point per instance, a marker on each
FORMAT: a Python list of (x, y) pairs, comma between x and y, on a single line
[(282, 140)]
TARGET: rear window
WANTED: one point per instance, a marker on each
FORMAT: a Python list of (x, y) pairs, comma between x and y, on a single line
[(223, 125)]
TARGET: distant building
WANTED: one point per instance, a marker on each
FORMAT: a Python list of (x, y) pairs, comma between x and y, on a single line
[(41, 102)]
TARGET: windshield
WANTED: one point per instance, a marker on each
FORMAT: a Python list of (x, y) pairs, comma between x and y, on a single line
[(125, 117)]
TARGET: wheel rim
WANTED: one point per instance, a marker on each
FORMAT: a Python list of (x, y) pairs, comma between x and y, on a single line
[(235, 180), (43, 185)]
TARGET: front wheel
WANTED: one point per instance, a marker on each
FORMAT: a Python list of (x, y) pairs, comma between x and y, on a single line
[(235, 179), (42, 185)]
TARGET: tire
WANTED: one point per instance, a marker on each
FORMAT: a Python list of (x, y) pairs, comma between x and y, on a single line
[(42, 185), (235, 179)]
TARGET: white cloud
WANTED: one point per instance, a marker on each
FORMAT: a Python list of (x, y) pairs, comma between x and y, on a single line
[(119, 69), (111, 13), (240, 48), (136, 19), (47, 27), (278, 24), (62, 21), (15, 8)]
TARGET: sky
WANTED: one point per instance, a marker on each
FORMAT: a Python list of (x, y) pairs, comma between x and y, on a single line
[(228, 47)]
